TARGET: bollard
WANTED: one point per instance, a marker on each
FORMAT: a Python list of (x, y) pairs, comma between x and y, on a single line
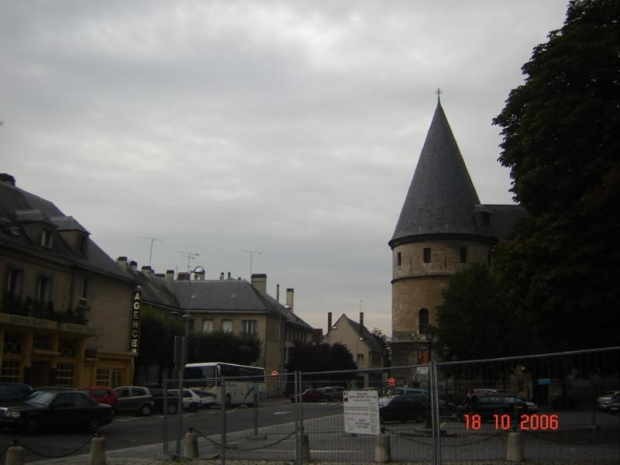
[(514, 452), (383, 449), (191, 444), (97, 450), (305, 448), (15, 454)]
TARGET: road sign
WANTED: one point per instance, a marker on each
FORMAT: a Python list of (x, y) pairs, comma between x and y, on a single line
[(274, 373), (391, 381)]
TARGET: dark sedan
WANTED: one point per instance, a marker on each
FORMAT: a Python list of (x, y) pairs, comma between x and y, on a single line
[(54, 410), (402, 408), (309, 395), (489, 405)]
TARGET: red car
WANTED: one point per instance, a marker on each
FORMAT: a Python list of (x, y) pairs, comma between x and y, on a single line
[(103, 395), (309, 395)]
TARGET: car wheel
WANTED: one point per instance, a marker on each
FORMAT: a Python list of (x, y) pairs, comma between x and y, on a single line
[(172, 408), (93, 425), (145, 410)]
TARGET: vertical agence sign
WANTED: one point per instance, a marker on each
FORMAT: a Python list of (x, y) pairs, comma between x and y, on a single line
[(134, 335)]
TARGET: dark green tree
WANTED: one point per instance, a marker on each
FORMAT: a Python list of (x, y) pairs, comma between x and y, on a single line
[(474, 322), (310, 358), (157, 331), (560, 142), (222, 346), (384, 342)]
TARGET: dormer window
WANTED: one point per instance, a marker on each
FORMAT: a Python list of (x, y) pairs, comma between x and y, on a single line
[(82, 244), (46, 239)]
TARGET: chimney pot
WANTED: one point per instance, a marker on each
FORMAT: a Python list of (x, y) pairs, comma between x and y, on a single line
[(329, 321), (290, 298), (259, 281)]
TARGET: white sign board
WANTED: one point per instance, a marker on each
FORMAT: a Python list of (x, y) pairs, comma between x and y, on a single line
[(361, 412)]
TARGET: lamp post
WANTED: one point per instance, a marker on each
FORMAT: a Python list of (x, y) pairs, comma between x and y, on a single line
[(429, 331), (183, 346)]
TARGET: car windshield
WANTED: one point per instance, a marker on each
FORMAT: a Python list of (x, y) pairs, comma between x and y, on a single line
[(41, 397)]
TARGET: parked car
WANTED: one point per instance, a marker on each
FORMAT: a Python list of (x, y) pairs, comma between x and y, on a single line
[(191, 400), (612, 405), (134, 399), (207, 399), (53, 410), (332, 393), (309, 395), (171, 406), (488, 405), (605, 397), (406, 391), (403, 408), (103, 395), (525, 406), (14, 392)]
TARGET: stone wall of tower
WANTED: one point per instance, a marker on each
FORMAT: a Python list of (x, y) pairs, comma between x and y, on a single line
[(420, 273)]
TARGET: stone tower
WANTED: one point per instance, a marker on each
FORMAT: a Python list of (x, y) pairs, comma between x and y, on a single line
[(441, 228)]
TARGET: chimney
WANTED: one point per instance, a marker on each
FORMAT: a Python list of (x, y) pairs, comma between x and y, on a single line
[(122, 262), (259, 281), (200, 274), (222, 276), (361, 324), (290, 298), (278, 293), (183, 276), (329, 321), (229, 275), (133, 265), (170, 279), (146, 270), (7, 179)]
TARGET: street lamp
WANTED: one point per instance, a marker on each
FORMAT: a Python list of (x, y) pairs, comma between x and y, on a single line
[(429, 331)]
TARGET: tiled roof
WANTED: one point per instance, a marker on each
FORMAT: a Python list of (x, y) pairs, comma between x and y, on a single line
[(441, 197)]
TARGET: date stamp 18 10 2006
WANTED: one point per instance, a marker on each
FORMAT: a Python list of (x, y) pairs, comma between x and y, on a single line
[(533, 422)]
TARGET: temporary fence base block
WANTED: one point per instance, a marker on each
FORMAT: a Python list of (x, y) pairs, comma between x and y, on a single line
[(97, 451), (514, 451), (383, 449), (15, 455)]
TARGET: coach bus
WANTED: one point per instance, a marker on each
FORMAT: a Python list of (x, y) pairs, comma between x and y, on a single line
[(242, 381)]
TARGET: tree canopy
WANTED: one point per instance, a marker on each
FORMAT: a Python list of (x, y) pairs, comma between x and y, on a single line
[(559, 129), (310, 358), (474, 322)]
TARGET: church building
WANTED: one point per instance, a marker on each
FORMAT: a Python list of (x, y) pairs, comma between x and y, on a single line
[(442, 227)]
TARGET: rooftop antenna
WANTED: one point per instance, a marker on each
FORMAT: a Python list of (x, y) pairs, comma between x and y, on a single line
[(252, 252), (152, 239)]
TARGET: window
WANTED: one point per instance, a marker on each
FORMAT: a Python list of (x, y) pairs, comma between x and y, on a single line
[(44, 290), (399, 259), (46, 238), (10, 371), (249, 326), (108, 377), (463, 255), (360, 359), (82, 244), (227, 326), (65, 375), (84, 289), (14, 286), (422, 320), (426, 255), (207, 326), (12, 343), (68, 348)]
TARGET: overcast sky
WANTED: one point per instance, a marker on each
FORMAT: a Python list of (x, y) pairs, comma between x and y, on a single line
[(287, 128)]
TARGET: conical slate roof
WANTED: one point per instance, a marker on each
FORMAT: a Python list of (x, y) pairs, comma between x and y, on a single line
[(441, 197)]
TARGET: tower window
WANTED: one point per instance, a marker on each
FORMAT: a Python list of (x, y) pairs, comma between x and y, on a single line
[(422, 320), (463, 255), (426, 255), (399, 259)]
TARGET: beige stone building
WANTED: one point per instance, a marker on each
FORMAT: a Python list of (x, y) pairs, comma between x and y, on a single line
[(442, 227), (66, 308), (367, 353)]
